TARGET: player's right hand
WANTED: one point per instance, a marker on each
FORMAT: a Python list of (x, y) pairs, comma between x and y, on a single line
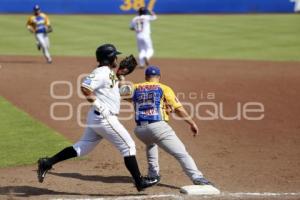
[(30, 29), (194, 129), (104, 112), (101, 109)]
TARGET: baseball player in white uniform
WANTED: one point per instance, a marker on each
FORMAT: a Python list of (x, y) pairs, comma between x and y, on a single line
[(297, 6), (101, 88), (141, 25), (39, 24)]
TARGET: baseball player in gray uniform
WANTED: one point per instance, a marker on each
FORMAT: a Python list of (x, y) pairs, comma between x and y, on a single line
[(152, 102), (39, 24), (101, 88)]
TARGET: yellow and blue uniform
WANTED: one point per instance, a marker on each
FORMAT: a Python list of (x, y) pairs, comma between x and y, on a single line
[(150, 100), (39, 23)]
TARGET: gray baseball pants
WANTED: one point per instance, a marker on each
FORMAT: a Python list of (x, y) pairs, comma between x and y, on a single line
[(162, 135), (43, 40)]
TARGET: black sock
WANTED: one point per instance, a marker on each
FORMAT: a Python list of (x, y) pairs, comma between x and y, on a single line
[(133, 168), (64, 154)]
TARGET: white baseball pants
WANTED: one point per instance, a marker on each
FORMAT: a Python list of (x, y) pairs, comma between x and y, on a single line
[(108, 128), (145, 49)]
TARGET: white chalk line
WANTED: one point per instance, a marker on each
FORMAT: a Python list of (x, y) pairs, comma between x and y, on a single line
[(173, 196), (181, 197), (262, 194)]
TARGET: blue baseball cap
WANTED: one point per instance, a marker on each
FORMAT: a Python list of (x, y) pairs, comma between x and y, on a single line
[(36, 7), (152, 71)]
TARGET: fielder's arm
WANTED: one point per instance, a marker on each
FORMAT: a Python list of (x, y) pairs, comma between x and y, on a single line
[(132, 25), (153, 16), (47, 23), (181, 112), (29, 25)]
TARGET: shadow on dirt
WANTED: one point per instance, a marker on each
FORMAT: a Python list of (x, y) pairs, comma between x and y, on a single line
[(20, 61), (28, 191), (104, 179)]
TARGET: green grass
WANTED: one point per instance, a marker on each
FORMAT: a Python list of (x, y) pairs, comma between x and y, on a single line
[(257, 37), (23, 139)]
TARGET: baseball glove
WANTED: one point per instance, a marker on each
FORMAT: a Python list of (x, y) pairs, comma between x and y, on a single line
[(127, 66), (49, 29)]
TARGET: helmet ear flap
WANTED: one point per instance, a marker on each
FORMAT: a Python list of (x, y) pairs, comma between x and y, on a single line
[(107, 61), (106, 54)]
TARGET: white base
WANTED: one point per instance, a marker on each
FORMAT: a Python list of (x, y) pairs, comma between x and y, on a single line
[(199, 190)]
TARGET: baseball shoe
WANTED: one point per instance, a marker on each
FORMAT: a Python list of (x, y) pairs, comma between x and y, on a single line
[(201, 181), (43, 167), (49, 61), (155, 179), (146, 61), (38, 46), (145, 183)]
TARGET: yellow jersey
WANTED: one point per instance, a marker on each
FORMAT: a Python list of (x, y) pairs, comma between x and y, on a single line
[(39, 23)]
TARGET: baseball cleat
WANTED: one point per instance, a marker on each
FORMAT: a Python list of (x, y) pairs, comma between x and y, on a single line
[(201, 181), (145, 183), (155, 179), (49, 61), (146, 61), (43, 167), (38, 46)]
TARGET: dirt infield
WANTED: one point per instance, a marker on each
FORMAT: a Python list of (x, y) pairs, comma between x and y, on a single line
[(239, 156)]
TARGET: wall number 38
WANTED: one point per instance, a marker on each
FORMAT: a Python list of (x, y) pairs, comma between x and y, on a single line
[(136, 4)]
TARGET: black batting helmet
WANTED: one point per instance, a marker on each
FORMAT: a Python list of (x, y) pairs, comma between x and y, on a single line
[(143, 11), (106, 54)]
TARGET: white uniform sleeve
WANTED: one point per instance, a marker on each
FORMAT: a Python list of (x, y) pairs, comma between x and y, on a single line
[(151, 17), (132, 24), (93, 81)]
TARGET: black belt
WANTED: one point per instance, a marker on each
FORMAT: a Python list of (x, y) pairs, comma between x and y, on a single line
[(98, 113), (140, 123)]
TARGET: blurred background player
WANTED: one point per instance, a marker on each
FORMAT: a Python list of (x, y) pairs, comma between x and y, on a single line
[(297, 6), (141, 25), (39, 24)]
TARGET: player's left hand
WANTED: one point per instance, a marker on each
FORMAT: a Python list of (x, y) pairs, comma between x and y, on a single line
[(127, 66), (30, 29), (49, 29)]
